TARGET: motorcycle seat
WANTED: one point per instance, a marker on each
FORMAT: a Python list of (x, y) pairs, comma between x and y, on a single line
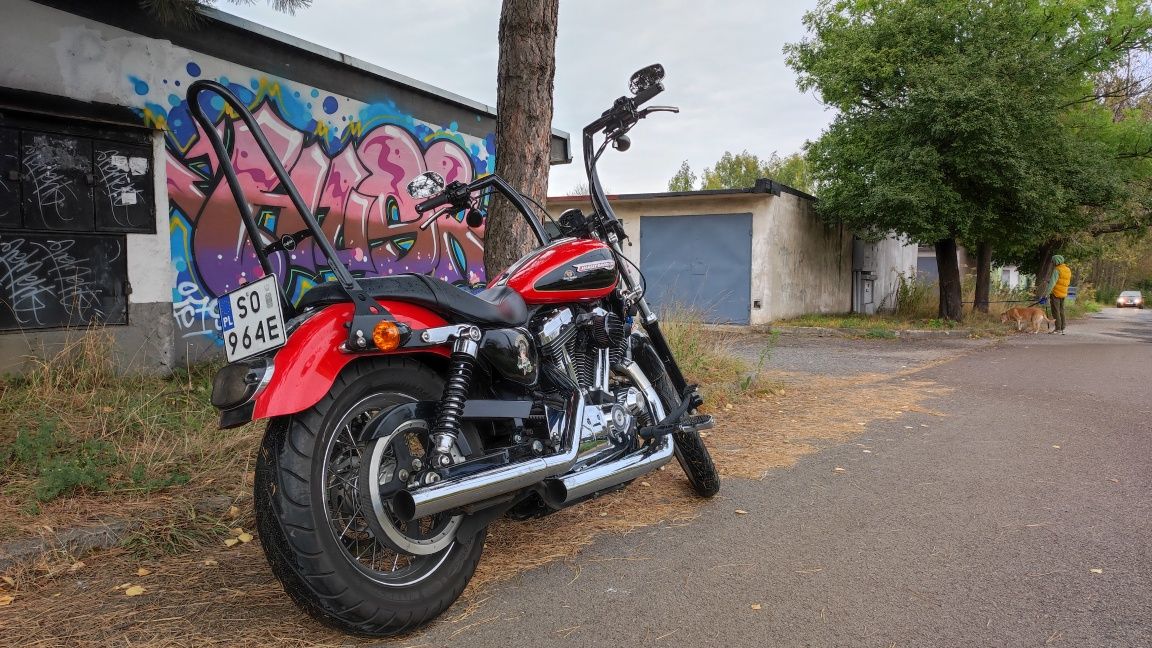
[(500, 305)]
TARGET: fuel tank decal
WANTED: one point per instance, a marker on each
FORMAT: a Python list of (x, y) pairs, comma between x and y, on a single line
[(567, 270), (589, 271)]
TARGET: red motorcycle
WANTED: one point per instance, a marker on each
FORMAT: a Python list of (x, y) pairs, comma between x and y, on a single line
[(406, 414)]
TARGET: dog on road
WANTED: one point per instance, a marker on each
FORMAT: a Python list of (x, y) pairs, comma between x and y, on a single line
[(1033, 317)]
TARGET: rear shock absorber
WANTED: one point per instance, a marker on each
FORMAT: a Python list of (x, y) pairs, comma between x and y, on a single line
[(461, 364)]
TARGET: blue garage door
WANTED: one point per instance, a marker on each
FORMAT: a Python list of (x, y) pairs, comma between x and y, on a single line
[(702, 263)]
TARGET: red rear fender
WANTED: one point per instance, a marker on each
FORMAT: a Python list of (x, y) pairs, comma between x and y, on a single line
[(306, 367)]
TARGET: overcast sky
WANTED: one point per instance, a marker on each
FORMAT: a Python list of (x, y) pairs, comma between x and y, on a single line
[(725, 70)]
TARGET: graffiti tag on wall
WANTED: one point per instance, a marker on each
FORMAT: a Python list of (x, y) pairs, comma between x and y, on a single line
[(352, 173), (53, 280)]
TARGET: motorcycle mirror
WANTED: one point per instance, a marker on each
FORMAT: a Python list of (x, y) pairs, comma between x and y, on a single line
[(474, 218), (622, 143), (426, 185), (645, 78)]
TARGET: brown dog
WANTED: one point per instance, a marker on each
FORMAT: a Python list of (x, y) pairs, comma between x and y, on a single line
[(1033, 316)]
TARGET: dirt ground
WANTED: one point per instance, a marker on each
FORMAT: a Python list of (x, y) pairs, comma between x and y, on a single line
[(225, 595)]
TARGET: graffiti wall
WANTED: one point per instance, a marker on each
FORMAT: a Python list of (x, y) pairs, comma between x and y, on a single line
[(350, 161)]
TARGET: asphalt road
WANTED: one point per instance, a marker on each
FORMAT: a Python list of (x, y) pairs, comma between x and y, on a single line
[(1021, 518)]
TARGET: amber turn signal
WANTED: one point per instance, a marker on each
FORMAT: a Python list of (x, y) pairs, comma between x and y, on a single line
[(386, 335)]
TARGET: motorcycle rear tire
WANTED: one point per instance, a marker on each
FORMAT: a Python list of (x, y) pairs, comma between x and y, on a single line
[(292, 515)]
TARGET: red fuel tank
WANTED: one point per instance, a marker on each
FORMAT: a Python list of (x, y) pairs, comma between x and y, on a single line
[(566, 270)]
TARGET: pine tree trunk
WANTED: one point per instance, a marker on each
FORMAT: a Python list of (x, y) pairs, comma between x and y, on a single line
[(524, 80), (951, 306), (983, 276)]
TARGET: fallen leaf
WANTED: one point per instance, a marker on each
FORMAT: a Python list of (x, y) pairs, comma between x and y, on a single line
[(210, 563), (1096, 571), (645, 484), (143, 571), (8, 579), (237, 531), (755, 606), (244, 537), (106, 409), (6, 600), (727, 406), (1056, 446), (135, 590), (228, 542), (79, 564), (741, 512), (233, 511), (603, 513), (123, 585)]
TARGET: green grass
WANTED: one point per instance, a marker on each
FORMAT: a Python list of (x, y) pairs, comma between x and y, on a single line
[(74, 426)]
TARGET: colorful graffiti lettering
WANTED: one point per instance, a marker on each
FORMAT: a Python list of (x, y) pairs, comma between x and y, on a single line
[(352, 173)]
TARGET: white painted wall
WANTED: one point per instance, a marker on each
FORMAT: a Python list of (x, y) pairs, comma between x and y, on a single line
[(894, 256)]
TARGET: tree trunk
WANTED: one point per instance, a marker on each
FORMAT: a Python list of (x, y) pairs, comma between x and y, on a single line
[(951, 306), (1044, 267), (523, 123), (983, 276)]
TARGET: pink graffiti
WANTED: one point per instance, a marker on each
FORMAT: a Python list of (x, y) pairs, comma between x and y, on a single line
[(358, 195)]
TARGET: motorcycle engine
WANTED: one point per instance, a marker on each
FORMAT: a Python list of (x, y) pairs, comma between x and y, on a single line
[(581, 347)]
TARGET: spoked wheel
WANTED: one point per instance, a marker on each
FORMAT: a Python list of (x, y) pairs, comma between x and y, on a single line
[(323, 507), (388, 550)]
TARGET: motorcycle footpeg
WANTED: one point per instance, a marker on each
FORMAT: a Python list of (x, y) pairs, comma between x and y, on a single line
[(697, 422)]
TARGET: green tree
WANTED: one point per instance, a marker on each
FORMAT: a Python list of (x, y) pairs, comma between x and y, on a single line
[(742, 170), (684, 180), (963, 119), (792, 170), (738, 171)]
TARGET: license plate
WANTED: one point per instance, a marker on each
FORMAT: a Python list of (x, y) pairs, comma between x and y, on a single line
[(252, 319)]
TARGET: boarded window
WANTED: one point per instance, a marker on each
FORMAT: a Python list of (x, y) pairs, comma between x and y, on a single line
[(69, 192)]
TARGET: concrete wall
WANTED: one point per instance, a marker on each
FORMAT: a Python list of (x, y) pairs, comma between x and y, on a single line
[(808, 265), (350, 153), (799, 265), (893, 257)]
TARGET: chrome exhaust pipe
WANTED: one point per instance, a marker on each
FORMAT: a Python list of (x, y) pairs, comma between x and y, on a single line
[(562, 491), (455, 493)]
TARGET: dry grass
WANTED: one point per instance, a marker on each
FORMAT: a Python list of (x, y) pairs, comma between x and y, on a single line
[(234, 600)]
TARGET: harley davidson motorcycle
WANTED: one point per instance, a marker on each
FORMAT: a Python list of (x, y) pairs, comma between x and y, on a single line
[(406, 414)]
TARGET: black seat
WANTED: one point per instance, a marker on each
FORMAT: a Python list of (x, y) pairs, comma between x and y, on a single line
[(499, 306)]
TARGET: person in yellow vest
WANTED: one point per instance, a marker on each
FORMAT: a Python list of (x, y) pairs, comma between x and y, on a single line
[(1058, 291)]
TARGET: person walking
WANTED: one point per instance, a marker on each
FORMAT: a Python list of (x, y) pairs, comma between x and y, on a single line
[(1058, 291)]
